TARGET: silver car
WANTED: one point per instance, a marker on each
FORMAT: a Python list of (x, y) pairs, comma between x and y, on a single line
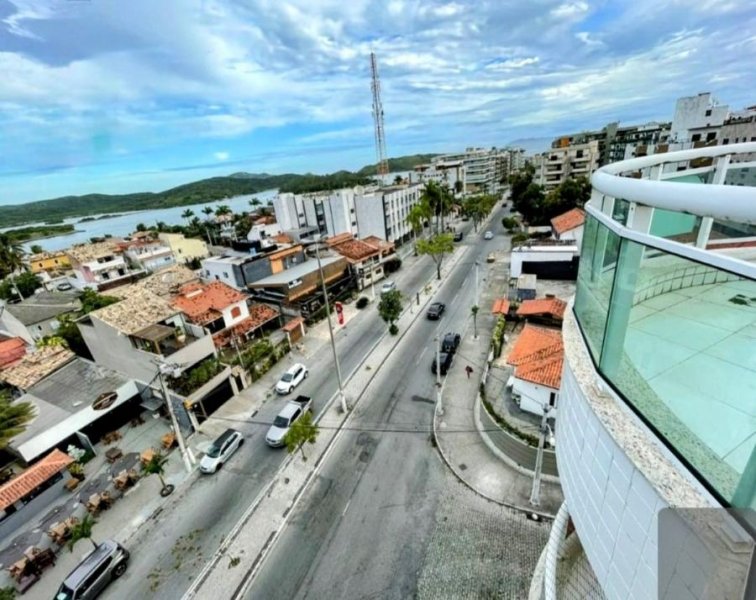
[(221, 450), (93, 574)]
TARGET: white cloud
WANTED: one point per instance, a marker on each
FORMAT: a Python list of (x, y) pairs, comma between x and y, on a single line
[(221, 155), (570, 10)]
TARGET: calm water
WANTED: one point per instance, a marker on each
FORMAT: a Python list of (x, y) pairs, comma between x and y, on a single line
[(125, 223)]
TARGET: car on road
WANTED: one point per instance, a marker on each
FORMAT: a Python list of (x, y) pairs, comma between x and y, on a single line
[(488, 235), (64, 286), (388, 286), (108, 561), (458, 236), (292, 378), (221, 450), (445, 359), (435, 311), (491, 257), (450, 343), (292, 411)]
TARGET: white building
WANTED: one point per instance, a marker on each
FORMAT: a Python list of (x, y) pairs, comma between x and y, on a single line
[(569, 226), (483, 168), (537, 357), (149, 254), (450, 173), (383, 212), (326, 213), (558, 164), (695, 112), (657, 406), (100, 266)]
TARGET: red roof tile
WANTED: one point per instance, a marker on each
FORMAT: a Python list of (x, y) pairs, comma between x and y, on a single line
[(538, 356), (543, 306), (569, 220), (11, 351), (351, 249), (26, 482), (203, 303), (293, 324), (500, 306), (259, 314)]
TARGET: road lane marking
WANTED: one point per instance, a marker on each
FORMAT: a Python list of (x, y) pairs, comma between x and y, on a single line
[(346, 507), (419, 358)]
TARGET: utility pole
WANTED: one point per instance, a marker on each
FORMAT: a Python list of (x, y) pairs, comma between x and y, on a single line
[(477, 264), (535, 493), (185, 453), (438, 376), (330, 330), (372, 279)]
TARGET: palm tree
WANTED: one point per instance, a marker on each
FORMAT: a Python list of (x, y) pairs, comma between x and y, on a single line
[(222, 210), (254, 203), (82, 531), (13, 418), (187, 214), (36, 249), (416, 216), (437, 198), (474, 310), (208, 210), (397, 180), (11, 258), (156, 466)]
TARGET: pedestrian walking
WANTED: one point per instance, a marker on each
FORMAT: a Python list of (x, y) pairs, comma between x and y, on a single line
[(468, 370)]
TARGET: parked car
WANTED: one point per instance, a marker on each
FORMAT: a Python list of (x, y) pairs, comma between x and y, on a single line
[(93, 574), (63, 286), (286, 418), (446, 361), (220, 450), (388, 286), (459, 236), (435, 311), (450, 343), (491, 257), (488, 235), (292, 378)]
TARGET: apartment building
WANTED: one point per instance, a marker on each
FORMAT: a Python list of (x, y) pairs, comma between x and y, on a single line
[(149, 254), (558, 164), (52, 263), (184, 249), (382, 212), (449, 173), (325, 213), (656, 433), (100, 266), (239, 271)]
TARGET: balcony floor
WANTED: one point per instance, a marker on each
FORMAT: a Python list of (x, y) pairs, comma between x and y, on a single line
[(697, 352)]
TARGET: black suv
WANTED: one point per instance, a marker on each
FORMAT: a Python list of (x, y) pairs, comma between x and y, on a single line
[(446, 361), (458, 236), (450, 343), (436, 310)]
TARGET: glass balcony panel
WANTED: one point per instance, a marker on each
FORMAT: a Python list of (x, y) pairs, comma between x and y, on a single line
[(677, 226), (679, 344)]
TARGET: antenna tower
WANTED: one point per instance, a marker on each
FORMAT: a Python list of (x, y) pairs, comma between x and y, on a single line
[(380, 135)]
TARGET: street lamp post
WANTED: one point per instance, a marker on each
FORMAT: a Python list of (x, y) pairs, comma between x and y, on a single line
[(439, 399), (185, 452), (535, 493), (330, 331), (477, 264)]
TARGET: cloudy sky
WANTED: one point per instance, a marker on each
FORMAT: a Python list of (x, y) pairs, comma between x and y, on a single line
[(114, 96)]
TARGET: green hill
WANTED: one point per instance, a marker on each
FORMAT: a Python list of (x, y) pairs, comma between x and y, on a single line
[(400, 163)]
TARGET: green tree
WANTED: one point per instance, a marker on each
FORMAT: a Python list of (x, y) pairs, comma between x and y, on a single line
[(8, 593), (11, 255), (254, 203), (439, 201), (69, 331), (187, 214), (222, 210), (36, 249), (301, 432), (458, 186), (416, 216), (156, 466), (82, 531), (141, 227), (208, 211), (24, 284), (390, 308), (50, 341), (397, 180), (474, 311), (91, 300), (14, 417), (437, 247)]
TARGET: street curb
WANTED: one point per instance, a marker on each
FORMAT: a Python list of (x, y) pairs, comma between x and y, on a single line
[(525, 510)]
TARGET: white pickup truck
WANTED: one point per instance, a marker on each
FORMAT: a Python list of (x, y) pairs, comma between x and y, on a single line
[(285, 419)]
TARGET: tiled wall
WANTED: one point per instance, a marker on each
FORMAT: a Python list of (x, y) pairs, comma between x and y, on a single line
[(613, 506)]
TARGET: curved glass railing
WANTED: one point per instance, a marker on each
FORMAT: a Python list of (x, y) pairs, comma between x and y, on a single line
[(671, 326)]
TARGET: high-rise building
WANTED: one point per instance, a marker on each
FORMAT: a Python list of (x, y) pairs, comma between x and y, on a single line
[(656, 433), (554, 167)]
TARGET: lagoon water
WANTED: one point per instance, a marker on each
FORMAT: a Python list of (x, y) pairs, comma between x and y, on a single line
[(125, 223)]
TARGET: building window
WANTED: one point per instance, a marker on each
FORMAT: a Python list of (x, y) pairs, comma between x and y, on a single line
[(708, 113), (225, 274), (711, 136), (725, 141), (696, 137), (235, 312)]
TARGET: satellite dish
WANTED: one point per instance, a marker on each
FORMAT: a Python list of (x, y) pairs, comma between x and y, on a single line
[(104, 400)]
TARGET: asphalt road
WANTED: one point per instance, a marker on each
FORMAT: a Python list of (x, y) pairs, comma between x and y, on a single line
[(362, 529), (169, 551)]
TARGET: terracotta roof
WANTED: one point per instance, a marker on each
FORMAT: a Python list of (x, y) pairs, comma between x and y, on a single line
[(84, 253), (569, 220), (265, 220), (11, 350), (377, 242), (339, 239), (500, 306), (543, 306), (538, 355), (138, 309), (203, 303), (355, 250), (282, 238), (36, 366), (259, 314), (293, 324), (29, 480)]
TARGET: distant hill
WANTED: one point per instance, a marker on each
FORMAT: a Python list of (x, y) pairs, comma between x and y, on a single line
[(400, 163), (532, 145)]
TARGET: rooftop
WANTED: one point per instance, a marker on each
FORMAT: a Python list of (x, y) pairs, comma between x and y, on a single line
[(44, 306), (36, 366), (11, 350), (297, 272), (40, 256), (26, 482), (500, 306), (352, 249), (203, 303), (167, 281), (569, 220), (259, 314), (538, 355), (83, 253), (542, 306), (136, 311)]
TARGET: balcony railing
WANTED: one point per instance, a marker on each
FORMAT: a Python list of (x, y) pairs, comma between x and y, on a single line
[(671, 325)]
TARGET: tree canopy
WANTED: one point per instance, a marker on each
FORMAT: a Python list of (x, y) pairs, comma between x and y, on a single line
[(26, 283), (390, 308), (14, 417), (437, 247), (537, 207), (302, 432)]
